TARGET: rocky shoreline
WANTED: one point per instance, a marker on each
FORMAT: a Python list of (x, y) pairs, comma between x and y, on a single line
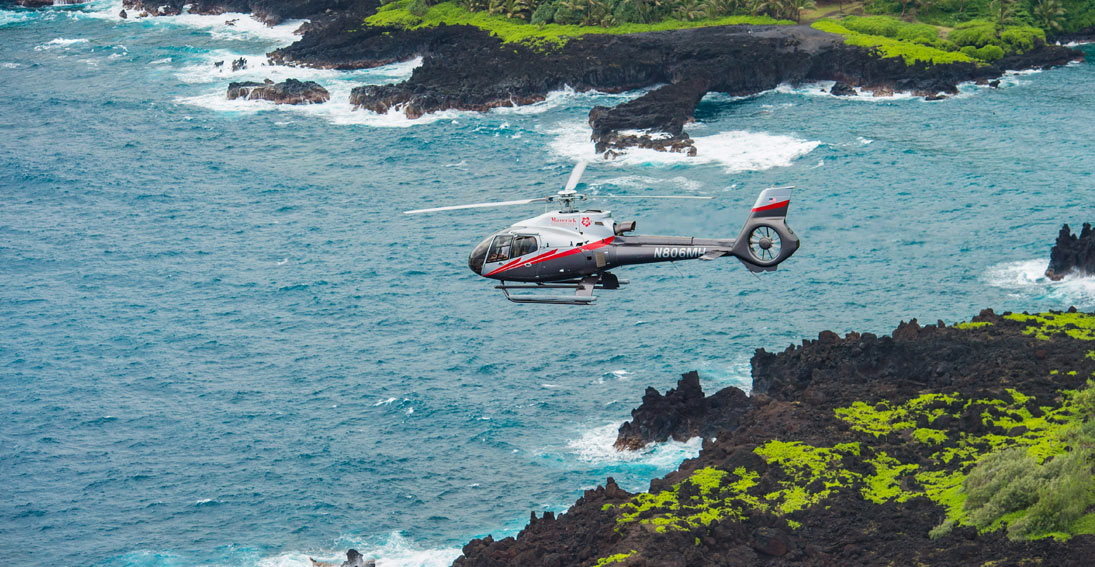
[(849, 451), (466, 68)]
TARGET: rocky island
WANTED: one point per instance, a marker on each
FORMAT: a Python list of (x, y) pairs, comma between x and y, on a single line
[(479, 55), (289, 91), (1072, 254), (969, 444)]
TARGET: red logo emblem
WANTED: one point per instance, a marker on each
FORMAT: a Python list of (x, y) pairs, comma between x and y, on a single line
[(585, 221)]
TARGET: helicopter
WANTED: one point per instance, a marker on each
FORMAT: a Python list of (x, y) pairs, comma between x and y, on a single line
[(575, 250)]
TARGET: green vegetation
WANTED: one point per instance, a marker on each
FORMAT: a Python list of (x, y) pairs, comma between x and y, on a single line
[(413, 14), (1048, 15), (705, 497), (1042, 326), (1029, 472), (911, 52), (1035, 497), (617, 558), (975, 40), (973, 325), (811, 474)]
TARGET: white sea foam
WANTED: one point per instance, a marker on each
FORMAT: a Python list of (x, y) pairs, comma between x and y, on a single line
[(386, 402), (60, 43), (735, 151), (621, 374), (242, 26), (1027, 278), (679, 183), (823, 88), (339, 84), (396, 551), (595, 446), (863, 141), (563, 97), (9, 65), (8, 17), (718, 374)]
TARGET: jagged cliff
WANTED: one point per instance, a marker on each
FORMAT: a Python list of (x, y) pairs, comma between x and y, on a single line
[(938, 445)]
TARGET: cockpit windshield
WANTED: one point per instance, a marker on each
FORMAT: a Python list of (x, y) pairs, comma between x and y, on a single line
[(523, 245), (501, 248)]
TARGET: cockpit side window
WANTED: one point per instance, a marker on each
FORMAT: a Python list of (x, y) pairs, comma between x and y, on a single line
[(523, 244), (501, 249)]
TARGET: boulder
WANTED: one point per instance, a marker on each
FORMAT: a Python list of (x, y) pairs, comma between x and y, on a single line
[(842, 89), (290, 91)]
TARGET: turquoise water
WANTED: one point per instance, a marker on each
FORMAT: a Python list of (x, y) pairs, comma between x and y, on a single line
[(222, 345)]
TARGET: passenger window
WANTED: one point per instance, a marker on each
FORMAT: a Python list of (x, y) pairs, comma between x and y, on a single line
[(500, 249), (524, 245)]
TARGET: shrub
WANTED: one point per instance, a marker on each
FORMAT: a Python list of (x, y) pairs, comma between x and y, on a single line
[(891, 27), (544, 14), (1022, 39), (989, 53), (1002, 483), (976, 33), (1061, 500), (418, 8)]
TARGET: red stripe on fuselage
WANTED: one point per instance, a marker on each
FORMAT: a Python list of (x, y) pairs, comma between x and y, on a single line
[(772, 206), (551, 255)]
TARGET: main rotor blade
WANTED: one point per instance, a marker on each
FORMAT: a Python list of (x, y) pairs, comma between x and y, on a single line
[(478, 206), (656, 197), (575, 176)]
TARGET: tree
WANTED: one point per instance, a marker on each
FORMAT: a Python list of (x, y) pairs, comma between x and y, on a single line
[(795, 8), (1049, 14), (906, 4), (520, 9), (689, 10), (715, 9), (1003, 11)]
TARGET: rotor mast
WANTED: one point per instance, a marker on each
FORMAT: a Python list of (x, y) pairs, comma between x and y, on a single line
[(568, 195)]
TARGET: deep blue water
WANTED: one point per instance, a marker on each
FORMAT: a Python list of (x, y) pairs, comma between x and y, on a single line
[(221, 344)]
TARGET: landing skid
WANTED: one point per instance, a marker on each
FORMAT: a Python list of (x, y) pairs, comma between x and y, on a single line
[(583, 290)]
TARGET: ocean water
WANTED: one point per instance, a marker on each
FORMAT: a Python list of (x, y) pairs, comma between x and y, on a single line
[(221, 344)]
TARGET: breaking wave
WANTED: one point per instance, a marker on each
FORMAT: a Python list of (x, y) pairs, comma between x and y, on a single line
[(736, 150), (1027, 278)]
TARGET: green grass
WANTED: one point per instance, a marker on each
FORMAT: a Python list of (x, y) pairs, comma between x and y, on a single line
[(396, 14)]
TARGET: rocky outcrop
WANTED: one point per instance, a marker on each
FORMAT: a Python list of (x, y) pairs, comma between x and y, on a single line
[(842, 89), (681, 414), (844, 456), (290, 91), (1072, 254), (271, 12), (465, 68)]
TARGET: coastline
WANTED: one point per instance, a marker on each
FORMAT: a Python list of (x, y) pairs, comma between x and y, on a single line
[(848, 450), (465, 68)]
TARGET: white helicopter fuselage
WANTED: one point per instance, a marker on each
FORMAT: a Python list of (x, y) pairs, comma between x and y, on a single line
[(574, 250), (559, 246)]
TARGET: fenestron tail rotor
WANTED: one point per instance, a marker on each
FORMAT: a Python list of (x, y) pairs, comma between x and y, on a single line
[(765, 245)]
